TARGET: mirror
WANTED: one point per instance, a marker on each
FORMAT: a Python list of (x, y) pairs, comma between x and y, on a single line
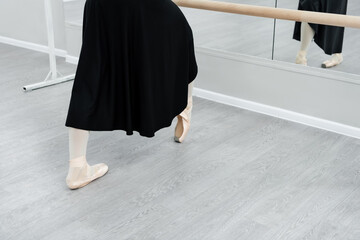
[(233, 32), (286, 48)]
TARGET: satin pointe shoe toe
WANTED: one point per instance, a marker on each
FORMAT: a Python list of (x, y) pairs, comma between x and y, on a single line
[(183, 123), (182, 128), (335, 59), (80, 173)]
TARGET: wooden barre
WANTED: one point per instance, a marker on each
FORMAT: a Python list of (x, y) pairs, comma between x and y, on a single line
[(270, 12)]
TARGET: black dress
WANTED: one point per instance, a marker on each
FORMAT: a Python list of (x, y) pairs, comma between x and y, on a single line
[(328, 38), (136, 61)]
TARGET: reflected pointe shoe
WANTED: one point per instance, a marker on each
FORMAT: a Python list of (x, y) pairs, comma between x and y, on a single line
[(81, 173), (301, 58), (183, 123), (335, 59)]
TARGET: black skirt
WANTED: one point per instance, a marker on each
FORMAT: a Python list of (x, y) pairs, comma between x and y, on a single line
[(328, 38), (136, 61)]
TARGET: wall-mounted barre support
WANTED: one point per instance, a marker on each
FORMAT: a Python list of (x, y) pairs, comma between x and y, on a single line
[(278, 13)]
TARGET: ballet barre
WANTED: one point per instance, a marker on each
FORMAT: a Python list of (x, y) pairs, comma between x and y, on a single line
[(331, 19)]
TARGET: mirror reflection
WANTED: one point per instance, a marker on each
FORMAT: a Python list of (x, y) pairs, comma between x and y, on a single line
[(317, 45), (233, 32)]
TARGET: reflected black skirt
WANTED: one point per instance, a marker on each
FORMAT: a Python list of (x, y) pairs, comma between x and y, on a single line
[(328, 38), (136, 61)]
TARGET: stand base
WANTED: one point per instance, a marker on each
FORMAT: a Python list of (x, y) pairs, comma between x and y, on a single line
[(46, 83)]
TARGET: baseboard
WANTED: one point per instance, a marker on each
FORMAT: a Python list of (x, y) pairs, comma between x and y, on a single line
[(31, 46), (279, 113)]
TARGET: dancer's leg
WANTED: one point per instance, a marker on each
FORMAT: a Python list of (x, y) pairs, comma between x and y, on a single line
[(80, 172), (190, 90), (78, 140), (307, 34)]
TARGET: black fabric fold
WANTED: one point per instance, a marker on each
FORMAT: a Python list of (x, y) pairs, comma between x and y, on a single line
[(136, 61)]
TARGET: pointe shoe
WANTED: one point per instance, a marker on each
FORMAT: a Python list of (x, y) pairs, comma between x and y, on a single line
[(183, 123), (301, 58), (335, 59), (81, 173)]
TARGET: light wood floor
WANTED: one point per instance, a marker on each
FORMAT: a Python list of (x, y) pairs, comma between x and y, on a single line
[(237, 175)]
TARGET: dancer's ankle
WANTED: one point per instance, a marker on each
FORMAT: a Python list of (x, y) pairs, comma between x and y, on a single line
[(78, 161)]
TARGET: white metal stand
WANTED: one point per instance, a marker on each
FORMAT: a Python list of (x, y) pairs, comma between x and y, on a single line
[(52, 77)]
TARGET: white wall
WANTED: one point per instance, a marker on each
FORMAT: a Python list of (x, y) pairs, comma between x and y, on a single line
[(24, 20), (297, 93)]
